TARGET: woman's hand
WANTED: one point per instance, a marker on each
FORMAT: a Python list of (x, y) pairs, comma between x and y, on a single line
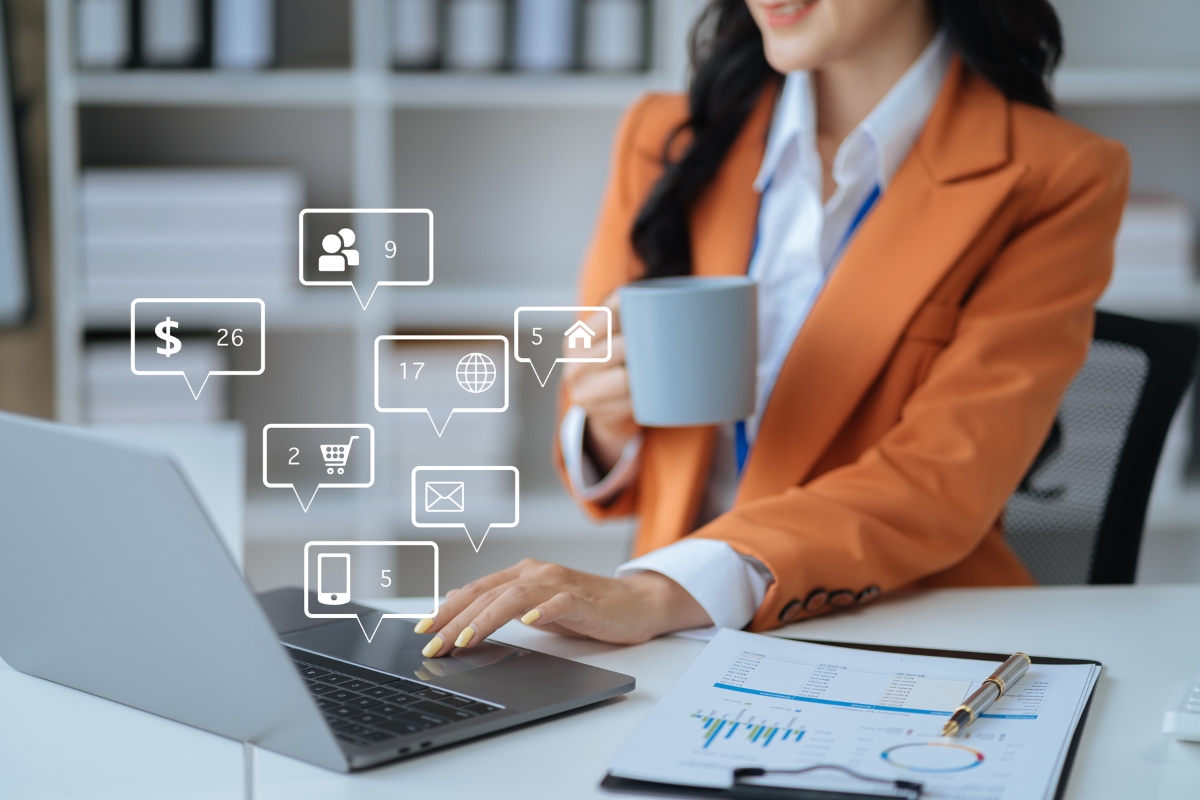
[(626, 610), (602, 390)]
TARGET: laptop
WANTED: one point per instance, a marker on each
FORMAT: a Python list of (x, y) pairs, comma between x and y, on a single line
[(114, 581)]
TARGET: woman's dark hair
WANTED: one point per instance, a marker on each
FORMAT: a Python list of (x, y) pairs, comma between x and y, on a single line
[(1015, 44)]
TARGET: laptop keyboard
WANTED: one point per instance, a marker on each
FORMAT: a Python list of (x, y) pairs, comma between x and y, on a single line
[(365, 712)]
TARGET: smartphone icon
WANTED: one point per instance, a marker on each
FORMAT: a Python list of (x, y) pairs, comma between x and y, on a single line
[(333, 578)]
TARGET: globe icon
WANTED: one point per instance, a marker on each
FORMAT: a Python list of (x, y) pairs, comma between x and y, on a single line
[(475, 372)]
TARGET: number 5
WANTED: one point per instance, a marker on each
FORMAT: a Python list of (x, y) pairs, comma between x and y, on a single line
[(537, 335), (387, 579)]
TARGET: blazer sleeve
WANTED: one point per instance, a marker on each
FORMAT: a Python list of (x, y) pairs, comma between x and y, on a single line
[(611, 260), (923, 497)]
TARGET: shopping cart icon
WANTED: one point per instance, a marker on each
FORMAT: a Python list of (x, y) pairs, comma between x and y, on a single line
[(335, 455)]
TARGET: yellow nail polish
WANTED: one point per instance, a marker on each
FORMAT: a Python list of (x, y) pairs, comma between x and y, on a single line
[(531, 617), (464, 638), (432, 649), (424, 625)]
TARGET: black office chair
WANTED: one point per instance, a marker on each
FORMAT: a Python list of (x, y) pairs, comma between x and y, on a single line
[(1077, 516)]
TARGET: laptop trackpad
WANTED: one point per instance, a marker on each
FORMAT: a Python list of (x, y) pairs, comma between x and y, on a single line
[(394, 649)]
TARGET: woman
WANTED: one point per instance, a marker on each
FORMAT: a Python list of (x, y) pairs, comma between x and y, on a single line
[(929, 241)]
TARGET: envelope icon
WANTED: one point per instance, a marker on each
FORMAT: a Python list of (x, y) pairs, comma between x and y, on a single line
[(445, 496)]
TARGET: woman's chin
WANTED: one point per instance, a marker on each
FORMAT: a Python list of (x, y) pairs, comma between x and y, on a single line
[(791, 54)]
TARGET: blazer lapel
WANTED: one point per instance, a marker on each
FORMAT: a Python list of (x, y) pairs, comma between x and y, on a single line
[(949, 187)]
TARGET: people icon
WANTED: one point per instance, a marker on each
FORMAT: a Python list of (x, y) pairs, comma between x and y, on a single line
[(335, 261)]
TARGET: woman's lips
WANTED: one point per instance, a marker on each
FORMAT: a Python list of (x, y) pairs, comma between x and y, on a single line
[(781, 15)]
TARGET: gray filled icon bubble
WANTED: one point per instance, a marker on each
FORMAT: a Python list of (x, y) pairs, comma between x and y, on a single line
[(475, 499), (545, 336), (441, 375), (197, 338), (308, 458), (365, 248)]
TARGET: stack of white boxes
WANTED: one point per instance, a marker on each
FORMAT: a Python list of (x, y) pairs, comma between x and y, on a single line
[(188, 233), (178, 233), (112, 393)]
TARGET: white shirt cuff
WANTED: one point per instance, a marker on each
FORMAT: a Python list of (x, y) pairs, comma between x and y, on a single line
[(726, 584), (582, 473)]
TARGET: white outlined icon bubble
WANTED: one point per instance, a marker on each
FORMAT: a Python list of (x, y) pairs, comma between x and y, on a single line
[(544, 336), (308, 458), (441, 375), (366, 248), (161, 328), (346, 569), (475, 499)]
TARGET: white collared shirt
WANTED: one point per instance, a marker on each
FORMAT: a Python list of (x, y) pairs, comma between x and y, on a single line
[(800, 241)]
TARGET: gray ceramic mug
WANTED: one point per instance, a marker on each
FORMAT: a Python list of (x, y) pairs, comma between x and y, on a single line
[(691, 349)]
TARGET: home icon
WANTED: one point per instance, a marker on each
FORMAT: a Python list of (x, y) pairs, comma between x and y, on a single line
[(579, 333)]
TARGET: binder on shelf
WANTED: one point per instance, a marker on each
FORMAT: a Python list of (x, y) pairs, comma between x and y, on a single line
[(614, 35), (16, 292), (475, 34), (103, 33), (174, 33), (243, 34), (544, 35), (414, 33)]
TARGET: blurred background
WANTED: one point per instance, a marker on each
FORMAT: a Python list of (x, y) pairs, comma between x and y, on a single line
[(139, 124)]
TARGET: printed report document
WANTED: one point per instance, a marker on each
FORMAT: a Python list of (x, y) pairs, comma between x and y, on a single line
[(757, 701)]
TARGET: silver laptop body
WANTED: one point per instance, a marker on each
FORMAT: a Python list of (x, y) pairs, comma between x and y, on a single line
[(114, 581)]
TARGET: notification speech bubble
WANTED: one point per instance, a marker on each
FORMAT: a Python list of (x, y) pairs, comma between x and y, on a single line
[(475, 499), (188, 335), (349, 570), (366, 247), (440, 375), (308, 458), (544, 336)]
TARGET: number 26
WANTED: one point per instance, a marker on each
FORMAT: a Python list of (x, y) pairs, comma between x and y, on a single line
[(236, 338)]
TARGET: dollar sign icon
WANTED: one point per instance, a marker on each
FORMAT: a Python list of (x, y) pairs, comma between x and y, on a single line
[(163, 331)]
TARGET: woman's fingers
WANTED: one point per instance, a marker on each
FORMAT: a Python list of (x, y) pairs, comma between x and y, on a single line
[(456, 631), (459, 599), (512, 602), (562, 609)]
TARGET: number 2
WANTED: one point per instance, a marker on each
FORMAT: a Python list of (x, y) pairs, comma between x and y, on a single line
[(387, 579), (292, 462)]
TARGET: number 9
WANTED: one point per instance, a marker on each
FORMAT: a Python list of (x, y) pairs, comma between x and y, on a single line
[(390, 247)]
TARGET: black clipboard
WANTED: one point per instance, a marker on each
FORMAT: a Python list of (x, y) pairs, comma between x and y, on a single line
[(614, 783)]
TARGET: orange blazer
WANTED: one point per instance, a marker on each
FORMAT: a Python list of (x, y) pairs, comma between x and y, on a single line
[(928, 372)]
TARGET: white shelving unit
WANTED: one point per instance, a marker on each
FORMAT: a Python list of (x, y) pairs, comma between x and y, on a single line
[(1127, 85), (389, 126), (1136, 77), (374, 98)]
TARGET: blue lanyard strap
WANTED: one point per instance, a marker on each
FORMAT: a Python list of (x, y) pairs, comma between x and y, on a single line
[(741, 438)]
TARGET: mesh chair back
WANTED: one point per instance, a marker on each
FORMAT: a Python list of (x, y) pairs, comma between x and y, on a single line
[(1077, 516)]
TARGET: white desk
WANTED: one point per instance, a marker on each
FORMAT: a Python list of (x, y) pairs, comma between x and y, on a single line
[(55, 742)]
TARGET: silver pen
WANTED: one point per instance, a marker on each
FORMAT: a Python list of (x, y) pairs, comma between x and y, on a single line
[(982, 698)]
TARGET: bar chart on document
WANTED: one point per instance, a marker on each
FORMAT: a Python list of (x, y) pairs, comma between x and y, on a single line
[(781, 704)]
